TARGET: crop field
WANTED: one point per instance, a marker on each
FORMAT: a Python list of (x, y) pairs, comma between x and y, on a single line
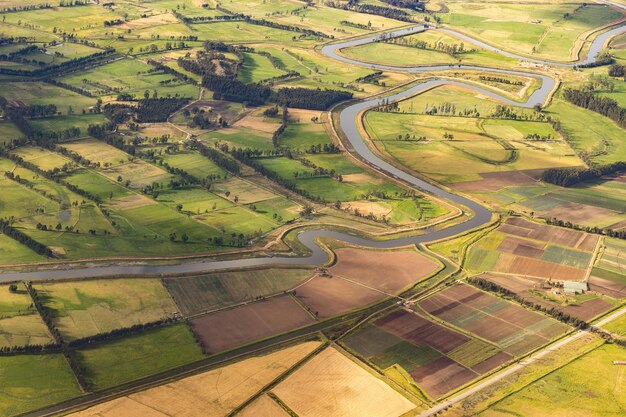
[(85, 308), (437, 359), (487, 153), (584, 307), (538, 31), (333, 385), (196, 294), (37, 93), (590, 385), (32, 381), (265, 406), (355, 281), (20, 323), (512, 328), (42, 158), (97, 152), (526, 248), (124, 360), (231, 328), (608, 275), (216, 392)]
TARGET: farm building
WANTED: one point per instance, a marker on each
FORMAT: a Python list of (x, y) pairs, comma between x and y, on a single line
[(574, 287)]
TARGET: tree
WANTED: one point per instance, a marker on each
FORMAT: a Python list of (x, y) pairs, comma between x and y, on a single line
[(184, 237), (306, 211), (13, 288), (172, 237)]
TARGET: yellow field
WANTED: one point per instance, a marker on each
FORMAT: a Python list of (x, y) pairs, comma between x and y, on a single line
[(42, 158), (89, 307), (263, 407), (97, 151), (213, 393), (331, 385)]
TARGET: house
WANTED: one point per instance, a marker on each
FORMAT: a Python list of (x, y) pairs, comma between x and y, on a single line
[(574, 287)]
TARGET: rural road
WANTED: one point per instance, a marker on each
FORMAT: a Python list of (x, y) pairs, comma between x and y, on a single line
[(517, 367), (349, 125)]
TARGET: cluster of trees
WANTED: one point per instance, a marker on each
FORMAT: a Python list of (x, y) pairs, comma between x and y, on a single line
[(357, 25), (602, 105), (355, 6), (538, 137), (554, 312), (453, 49), (305, 98), (158, 109), (230, 89), (601, 60), (372, 78), (113, 22), (281, 129), (416, 5), (617, 70), (499, 80), (26, 8), (568, 177)]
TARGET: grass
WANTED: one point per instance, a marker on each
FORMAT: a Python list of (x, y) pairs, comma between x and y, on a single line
[(20, 323), (60, 123), (257, 68), (125, 360), (30, 382), (84, 308), (42, 158), (8, 132), (207, 292), (31, 93), (590, 385)]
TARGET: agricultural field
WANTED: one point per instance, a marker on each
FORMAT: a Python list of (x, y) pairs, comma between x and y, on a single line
[(425, 357), (20, 323), (227, 329), (220, 209), (217, 391), (121, 361), (592, 380), (527, 248), (513, 329), (354, 281), (34, 381), (332, 384), (86, 308), (196, 294)]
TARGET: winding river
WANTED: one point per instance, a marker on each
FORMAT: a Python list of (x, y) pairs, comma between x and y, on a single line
[(348, 124)]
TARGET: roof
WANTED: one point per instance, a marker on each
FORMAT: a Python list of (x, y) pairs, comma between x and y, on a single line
[(574, 286)]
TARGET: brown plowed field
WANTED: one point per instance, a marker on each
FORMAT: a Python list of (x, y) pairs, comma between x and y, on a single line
[(418, 331), (492, 362), (543, 269), (588, 309), (241, 325), (388, 271), (515, 329), (494, 181), (610, 288), (330, 296), (558, 235), (441, 376)]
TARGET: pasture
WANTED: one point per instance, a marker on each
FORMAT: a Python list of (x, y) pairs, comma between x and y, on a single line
[(592, 380), (85, 308), (124, 360), (214, 392), (20, 323)]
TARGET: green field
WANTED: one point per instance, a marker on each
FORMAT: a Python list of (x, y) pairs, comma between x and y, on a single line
[(590, 385), (20, 323), (85, 308), (30, 382), (124, 360)]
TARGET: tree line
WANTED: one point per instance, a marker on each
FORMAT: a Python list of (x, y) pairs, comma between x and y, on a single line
[(7, 229), (355, 6), (617, 234), (568, 177), (602, 105)]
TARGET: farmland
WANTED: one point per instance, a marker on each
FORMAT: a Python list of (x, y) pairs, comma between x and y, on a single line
[(216, 392), (336, 386), (292, 208), (86, 308)]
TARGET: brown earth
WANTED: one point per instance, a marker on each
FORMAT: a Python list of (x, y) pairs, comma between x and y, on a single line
[(492, 362), (388, 271), (419, 331), (241, 325), (610, 288), (543, 269), (558, 235), (330, 296), (441, 376), (494, 181)]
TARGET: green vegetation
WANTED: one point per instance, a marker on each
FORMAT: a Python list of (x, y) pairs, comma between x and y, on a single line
[(124, 360)]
